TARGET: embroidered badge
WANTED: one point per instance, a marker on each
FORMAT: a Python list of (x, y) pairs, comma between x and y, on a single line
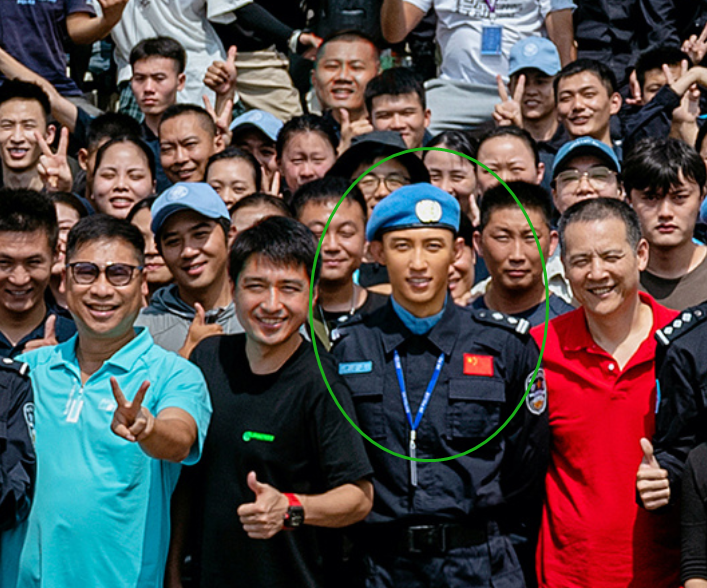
[(355, 367), (428, 211), (29, 420), (537, 395), (478, 365)]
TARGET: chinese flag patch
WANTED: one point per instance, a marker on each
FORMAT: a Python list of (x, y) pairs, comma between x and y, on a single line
[(478, 365)]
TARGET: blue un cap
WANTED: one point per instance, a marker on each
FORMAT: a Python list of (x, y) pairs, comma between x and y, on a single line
[(265, 122), (195, 196), (585, 146), (534, 53), (418, 206)]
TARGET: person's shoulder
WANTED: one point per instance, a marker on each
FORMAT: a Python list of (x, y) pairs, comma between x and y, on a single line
[(224, 349), (13, 369), (500, 322), (360, 323), (686, 329), (558, 306)]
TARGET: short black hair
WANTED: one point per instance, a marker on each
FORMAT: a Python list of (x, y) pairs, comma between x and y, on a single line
[(655, 58), (348, 35), (599, 69), (327, 189), (280, 240), (19, 90), (456, 141), (512, 131), (160, 47), (655, 164), (531, 197), (110, 125), (235, 153), (103, 227), (204, 118), (26, 211), (145, 203), (601, 209), (138, 142), (395, 82), (70, 200), (307, 123), (262, 199)]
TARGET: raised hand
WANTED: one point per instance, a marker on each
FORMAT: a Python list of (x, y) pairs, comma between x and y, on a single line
[(131, 420), (312, 42), (53, 167), (635, 97), (198, 331), (221, 75), (112, 9), (349, 129), (651, 480), (263, 518), (689, 108), (271, 182), (696, 47), (222, 119), (508, 111), (49, 335)]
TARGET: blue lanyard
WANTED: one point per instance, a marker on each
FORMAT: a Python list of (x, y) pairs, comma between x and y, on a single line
[(428, 392)]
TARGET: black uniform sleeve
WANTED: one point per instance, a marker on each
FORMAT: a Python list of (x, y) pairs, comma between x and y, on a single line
[(681, 412), (661, 22), (694, 516), (527, 435), (653, 120), (265, 25), (17, 460)]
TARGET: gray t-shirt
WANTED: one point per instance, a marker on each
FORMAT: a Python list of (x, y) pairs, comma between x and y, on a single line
[(678, 293)]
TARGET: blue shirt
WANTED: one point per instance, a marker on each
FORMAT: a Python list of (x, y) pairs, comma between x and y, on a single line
[(100, 516)]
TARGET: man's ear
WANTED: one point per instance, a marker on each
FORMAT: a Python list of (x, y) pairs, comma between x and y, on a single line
[(428, 117), (50, 134), (377, 251), (458, 248), (615, 102), (83, 158), (477, 244), (219, 143), (642, 253), (541, 172), (181, 81), (554, 242)]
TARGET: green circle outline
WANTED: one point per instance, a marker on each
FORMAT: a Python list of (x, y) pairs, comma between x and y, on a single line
[(311, 309)]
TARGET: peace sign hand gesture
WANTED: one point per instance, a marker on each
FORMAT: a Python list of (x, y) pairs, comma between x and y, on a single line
[(222, 119), (131, 420), (508, 111), (54, 168)]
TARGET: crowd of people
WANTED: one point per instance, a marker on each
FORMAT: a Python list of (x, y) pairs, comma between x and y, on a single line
[(359, 293)]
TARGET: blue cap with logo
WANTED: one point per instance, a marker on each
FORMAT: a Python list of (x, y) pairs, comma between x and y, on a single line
[(585, 146), (418, 206), (195, 196), (534, 53), (269, 124)]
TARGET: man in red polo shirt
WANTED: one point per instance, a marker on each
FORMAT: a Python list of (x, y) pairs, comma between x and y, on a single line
[(598, 365)]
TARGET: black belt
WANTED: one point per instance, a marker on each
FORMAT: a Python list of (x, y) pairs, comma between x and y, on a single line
[(424, 539)]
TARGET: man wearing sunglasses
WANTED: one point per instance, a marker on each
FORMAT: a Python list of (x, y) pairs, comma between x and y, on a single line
[(116, 416)]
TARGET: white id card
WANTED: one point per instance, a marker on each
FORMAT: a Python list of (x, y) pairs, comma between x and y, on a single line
[(491, 37)]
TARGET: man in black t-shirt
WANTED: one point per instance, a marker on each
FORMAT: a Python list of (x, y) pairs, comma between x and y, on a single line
[(280, 460)]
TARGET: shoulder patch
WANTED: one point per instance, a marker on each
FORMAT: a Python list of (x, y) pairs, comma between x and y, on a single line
[(8, 363), (682, 324), (536, 400), (500, 319)]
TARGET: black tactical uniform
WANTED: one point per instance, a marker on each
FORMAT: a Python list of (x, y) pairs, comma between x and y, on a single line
[(437, 524)]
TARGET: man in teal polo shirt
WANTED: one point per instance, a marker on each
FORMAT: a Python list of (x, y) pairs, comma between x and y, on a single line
[(115, 416)]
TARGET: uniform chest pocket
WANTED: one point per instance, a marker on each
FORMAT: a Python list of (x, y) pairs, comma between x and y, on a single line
[(474, 409), (367, 395)]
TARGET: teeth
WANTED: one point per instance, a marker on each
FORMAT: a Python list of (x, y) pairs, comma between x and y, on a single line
[(601, 291), (19, 292), (271, 321)]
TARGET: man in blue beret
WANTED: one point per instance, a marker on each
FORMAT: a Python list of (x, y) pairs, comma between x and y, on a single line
[(431, 380)]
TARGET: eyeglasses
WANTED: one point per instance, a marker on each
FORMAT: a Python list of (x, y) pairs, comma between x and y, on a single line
[(598, 177), (392, 182), (86, 273)]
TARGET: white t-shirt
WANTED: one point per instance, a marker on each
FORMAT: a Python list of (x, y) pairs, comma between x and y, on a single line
[(186, 21), (459, 30)]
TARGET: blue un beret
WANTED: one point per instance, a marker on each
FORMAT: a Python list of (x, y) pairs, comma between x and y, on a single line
[(415, 206)]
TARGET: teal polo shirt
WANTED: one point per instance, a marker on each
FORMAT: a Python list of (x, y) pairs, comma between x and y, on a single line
[(100, 515)]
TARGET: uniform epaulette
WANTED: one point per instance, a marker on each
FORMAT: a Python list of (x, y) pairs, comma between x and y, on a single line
[(684, 323), (341, 328), (16, 366), (499, 319)]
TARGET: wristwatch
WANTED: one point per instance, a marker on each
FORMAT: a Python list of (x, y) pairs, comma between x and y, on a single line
[(294, 517)]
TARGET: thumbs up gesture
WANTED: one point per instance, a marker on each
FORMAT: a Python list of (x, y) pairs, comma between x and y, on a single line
[(199, 330), (49, 335), (350, 129), (263, 518), (221, 75), (652, 480)]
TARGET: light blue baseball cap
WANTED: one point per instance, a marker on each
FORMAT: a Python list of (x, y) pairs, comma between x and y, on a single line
[(196, 196), (534, 53), (585, 146), (269, 124)]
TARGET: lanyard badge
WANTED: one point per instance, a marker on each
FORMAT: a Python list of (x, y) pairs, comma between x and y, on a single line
[(491, 35)]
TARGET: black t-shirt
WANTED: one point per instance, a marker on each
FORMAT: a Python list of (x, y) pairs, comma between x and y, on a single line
[(287, 428)]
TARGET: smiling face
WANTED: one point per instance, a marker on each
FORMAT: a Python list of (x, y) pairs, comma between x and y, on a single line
[(122, 179), (343, 246), (453, 174), (668, 220), (585, 106), (511, 158), (25, 268), (602, 267), (538, 100), (418, 263), (185, 148), (402, 113), (194, 249), (306, 156), (19, 120), (156, 270), (341, 73), (272, 301), (101, 310)]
